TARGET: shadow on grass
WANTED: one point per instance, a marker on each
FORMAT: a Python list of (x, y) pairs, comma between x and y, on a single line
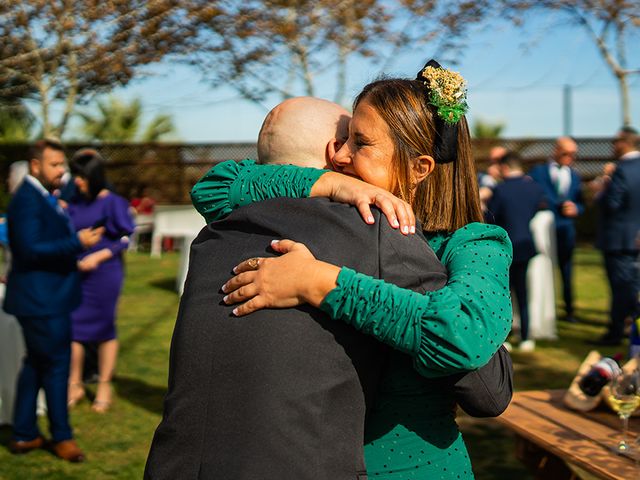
[(594, 311), (137, 392), (5, 436), (167, 283)]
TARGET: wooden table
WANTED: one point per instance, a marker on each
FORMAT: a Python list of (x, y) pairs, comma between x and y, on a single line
[(558, 443)]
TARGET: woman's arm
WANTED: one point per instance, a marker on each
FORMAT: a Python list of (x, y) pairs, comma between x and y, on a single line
[(457, 328), (230, 185)]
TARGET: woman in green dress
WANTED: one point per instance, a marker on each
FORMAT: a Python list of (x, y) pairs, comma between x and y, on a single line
[(401, 144)]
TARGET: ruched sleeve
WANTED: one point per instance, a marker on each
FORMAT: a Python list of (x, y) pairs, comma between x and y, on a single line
[(119, 224), (230, 185), (454, 329)]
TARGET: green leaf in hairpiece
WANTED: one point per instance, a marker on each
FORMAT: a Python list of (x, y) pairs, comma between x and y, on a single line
[(447, 92)]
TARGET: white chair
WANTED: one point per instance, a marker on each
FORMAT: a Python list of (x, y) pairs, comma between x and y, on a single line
[(178, 221), (144, 224)]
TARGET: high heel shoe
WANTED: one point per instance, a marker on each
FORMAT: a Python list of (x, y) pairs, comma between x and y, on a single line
[(100, 405), (74, 398)]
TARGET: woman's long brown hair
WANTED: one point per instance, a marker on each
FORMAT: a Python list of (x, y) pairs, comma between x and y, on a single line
[(448, 198)]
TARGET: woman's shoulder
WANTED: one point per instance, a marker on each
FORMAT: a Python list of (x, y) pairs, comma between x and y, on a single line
[(110, 197), (471, 231), (479, 231), (475, 233)]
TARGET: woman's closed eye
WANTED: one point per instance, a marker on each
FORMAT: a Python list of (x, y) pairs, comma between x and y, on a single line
[(360, 141)]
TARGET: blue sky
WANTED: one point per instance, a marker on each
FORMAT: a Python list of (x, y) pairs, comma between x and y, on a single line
[(515, 77)]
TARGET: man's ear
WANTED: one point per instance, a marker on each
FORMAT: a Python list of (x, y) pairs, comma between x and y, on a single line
[(421, 167), (332, 148), (34, 166)]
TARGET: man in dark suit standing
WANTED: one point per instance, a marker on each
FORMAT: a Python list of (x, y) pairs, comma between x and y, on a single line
[(280, 394), (514, 203), (563, 191), (619, 233), (42, 290)]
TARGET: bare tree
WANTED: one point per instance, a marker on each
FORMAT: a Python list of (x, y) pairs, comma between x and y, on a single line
[(288, 47), (68, 50), (610, 24)]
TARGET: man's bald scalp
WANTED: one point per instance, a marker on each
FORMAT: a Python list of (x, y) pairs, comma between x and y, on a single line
[(298, 130)]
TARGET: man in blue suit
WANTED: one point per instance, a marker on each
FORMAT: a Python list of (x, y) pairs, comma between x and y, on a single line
[(514, 203), (563, 191), (618, 233), (42, 290)]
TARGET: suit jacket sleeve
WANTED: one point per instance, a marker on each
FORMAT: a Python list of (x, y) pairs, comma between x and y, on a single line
[(119, 224), (457, 328), (578, 198), (614, 197), (30, 242)]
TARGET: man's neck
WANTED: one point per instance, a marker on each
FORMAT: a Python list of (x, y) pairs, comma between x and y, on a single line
[(37, 183)]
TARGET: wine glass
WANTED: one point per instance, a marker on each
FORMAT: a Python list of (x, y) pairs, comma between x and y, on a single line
[(624, 397)]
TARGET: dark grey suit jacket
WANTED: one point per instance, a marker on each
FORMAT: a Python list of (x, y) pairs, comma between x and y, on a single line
[(279, 394)]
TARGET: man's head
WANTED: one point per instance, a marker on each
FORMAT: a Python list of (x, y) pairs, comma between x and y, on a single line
[(303, 131), (510, 163), (47, 162), (565, 151), (626, 141), (496, 153)]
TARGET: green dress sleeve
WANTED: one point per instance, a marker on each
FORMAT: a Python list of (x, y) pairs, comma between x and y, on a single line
[(230, 185), (454, 329)]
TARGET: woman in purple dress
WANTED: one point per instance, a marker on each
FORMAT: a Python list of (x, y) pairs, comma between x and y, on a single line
[(102, 273)]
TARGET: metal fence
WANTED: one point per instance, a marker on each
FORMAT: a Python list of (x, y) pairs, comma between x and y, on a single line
[(168, 171)]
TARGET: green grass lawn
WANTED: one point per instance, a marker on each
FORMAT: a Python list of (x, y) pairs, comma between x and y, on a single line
[(117, 443)]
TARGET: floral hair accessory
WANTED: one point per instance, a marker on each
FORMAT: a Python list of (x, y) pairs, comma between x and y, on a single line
[(447, 91)]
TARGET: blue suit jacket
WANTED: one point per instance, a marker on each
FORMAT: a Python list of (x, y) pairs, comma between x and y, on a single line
[(619, 223), (542, 176), (514, 203), (43, 279)]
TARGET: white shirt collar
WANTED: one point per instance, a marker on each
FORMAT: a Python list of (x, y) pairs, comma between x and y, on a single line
[(630, 155), (36, 183)]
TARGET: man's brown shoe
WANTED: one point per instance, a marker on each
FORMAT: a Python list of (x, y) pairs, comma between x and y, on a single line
[(19, 446), (68, 450)]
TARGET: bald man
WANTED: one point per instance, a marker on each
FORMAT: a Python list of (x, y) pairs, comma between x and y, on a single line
[(563, 190), (280, 394), (282, 140)]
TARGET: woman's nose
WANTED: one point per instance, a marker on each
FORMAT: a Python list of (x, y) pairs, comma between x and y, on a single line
[(342, 158)]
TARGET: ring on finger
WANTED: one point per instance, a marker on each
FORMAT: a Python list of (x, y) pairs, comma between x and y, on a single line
[(253, 263)]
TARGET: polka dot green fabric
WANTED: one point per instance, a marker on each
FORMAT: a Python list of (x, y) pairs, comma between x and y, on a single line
[(457, 328), (230, 185), (411, 432)]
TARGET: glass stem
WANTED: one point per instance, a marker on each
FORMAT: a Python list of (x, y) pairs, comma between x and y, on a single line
[(625, 427)]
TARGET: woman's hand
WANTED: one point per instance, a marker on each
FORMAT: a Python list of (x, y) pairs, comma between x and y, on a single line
[(281, 282), (93, 260), (88, 264), (345, 189)]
